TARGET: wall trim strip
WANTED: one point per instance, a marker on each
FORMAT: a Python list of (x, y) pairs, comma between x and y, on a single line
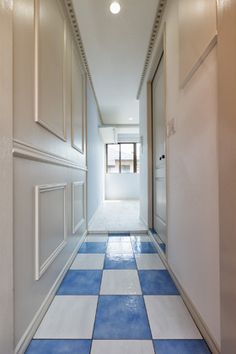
[(29, 333), (30, 152), (192, 309), (79, 41), (75, 227), (154, 34)]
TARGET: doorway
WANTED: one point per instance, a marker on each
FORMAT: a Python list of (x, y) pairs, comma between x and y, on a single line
[(159, 154)]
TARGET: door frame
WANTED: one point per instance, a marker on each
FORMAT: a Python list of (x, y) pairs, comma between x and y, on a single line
[(160, 52)]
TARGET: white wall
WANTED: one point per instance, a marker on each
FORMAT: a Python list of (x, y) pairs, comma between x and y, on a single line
[(49, 160), (6, 181), (122, 186), (96, 152), (193, 229), (143, 126)]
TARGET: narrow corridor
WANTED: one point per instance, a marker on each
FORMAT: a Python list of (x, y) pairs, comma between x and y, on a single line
[(117, 298)]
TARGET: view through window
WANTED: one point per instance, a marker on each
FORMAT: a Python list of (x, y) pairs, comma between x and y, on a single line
[(123, 158)]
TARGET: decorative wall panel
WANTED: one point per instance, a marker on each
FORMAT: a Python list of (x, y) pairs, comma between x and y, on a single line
[(78, 102), (50, 66), (50, 225), (78, 202)]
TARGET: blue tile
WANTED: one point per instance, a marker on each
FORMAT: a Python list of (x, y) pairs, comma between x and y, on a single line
[(125, 261), (121, 317), (157, 282), (81, 282), (93, 247), (118, 234), (181, 346), (143, 247), (59, 346)]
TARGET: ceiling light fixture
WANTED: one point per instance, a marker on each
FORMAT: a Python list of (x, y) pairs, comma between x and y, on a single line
[(115, 7), (131, 118)]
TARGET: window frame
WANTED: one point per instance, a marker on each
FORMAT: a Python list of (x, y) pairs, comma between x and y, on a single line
[(134, 158)]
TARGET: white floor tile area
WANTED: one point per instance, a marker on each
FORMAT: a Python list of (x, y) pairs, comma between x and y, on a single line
[(117, 216), (88, 261), (119, 248), (122, 347), (148, 262), (173, 319), (120, 282), (69, 317)]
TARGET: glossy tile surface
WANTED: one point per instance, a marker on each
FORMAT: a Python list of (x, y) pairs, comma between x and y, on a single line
[(93, 247), (148, 261), (143, 247), (59, 346), (119, 248), (69, 317), (122, 347), (170, 319), (88, 261), (120, 282), (117, 298), (157, 282), (121, 317), (81, 282), (120, 261), (181, 346)]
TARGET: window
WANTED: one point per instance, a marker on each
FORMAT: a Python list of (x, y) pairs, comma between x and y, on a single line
[(123, 158)]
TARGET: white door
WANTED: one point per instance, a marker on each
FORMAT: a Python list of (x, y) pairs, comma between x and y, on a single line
[(159, 153)]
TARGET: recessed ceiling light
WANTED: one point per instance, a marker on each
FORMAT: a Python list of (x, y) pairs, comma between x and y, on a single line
[(115, 7), (131, 118)]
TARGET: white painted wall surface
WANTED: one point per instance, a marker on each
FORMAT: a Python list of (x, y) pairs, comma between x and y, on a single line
[(143, 156), (193, 225), (96, 151), (42, 158), (122, 186)]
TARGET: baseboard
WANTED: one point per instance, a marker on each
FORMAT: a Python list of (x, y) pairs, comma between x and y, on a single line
[(203, 328), (30, 331)]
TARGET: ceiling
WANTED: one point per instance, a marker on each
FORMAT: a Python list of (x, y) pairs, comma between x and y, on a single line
[(116, 47)]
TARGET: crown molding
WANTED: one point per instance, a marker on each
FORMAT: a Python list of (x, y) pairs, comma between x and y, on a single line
[(154, 33), (78, 39)]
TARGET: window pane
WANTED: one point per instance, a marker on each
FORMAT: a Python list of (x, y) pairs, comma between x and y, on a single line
[(138, 157), (127, 158), (113, 158)]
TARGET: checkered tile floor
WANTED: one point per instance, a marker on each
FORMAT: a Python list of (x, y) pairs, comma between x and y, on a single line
[(117, 298)]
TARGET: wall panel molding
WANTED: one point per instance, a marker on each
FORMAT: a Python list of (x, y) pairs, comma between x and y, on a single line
[(37, 67), (78, 102), (80, 186), (41, 265), (34, 324), (23, 150)]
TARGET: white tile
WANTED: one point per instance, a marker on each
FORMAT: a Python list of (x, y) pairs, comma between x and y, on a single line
[(119, 239), (119, 247), (141, 238), (120, 282), (88, 261), (170, 319), (122, 347), (148, 261), (96, 238), (69, 317)]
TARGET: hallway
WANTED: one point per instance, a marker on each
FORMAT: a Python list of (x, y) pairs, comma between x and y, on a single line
[(117, 298), (117, 215)]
